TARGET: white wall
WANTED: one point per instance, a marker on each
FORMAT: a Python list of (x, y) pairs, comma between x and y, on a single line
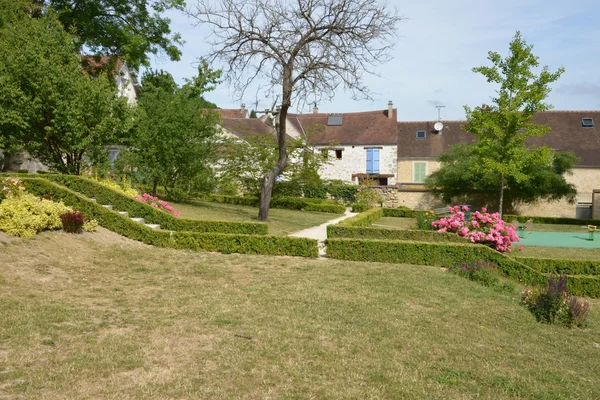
[(354, 161), (124, 81)]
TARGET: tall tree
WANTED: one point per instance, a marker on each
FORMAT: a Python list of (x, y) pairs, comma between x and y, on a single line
[(129, 30), (50, 106), (500, 154), (173, 137), (298, 48)]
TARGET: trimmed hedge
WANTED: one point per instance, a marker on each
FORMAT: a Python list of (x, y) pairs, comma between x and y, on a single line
[(401, 212), (289, 203), (364, 219), (205, 241), (135, 208), (447, 254), (340, 231), (552, 220), (557, 266)]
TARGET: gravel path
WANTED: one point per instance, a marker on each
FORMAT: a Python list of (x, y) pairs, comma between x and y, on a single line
[(320, 232)]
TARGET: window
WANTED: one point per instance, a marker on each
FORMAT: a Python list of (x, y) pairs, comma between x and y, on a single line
[(419, 171), (325, 154), (587, 122), (338, 154), (334, 120), (421, 134), (372, 161)]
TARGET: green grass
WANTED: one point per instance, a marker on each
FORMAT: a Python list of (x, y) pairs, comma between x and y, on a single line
[(95, 316), (281, 222), (395, 223)]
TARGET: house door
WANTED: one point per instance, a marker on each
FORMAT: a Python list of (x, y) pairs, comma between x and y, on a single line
[(372, 161)]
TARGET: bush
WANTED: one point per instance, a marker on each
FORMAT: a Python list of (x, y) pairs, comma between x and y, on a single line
[(365, 218), (483, 272), (161, 205), (341, 231), (359, 207), (105, 195), (567, 267), (124, 188), (553, 304), (90, 225), (72, 221), (425, 220), (368, 196), (484, 228), (553, 220), (202, 241), (342, 192), (25, 215)]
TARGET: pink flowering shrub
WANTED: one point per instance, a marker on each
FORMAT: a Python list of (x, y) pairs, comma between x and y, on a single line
[(156, 203), (484, 228)]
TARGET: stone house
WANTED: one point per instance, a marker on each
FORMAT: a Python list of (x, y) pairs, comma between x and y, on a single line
[(419, 145), (358, 145)]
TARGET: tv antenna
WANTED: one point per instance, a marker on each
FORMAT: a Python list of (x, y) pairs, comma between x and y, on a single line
[(439, 125)]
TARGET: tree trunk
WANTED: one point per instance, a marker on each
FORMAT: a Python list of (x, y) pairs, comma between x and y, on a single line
[(154, 187), (501, 194), (266, 189)]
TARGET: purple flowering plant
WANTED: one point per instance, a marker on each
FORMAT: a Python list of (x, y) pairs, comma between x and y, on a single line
[(158, 204)]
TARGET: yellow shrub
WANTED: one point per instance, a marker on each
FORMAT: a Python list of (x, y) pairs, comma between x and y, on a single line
[(90, 225), (126, 189), (27, 215)]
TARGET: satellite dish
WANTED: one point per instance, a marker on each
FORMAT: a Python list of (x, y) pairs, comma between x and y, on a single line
[(438, 126)]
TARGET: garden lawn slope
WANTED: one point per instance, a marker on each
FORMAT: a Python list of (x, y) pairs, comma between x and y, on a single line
[(97, 316), (203, 239)]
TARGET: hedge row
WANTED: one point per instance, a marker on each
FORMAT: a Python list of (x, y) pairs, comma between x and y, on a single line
[(135, 208), (401, 212), (557, 266), (365, 218), (552, 220), (290, 203), (340, 231), (447, 254), (206, 241)]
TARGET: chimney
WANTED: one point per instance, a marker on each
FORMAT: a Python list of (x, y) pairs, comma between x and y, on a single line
[(390, 110), (315, 109), (243, 111)]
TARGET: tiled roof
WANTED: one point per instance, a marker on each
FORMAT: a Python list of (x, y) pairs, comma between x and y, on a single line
[(567, 133), (242, 127), (232, 113), (359, 128), (95, 63)]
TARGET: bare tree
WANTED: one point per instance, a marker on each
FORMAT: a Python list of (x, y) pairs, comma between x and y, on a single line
[(303, 47)]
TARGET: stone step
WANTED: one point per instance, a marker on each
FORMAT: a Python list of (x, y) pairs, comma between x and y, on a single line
[(153, 226), (138, 220), (125, 213), (94, 200), (107, 206)]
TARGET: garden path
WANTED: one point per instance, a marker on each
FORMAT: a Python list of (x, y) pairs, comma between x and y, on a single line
[(320, 232)]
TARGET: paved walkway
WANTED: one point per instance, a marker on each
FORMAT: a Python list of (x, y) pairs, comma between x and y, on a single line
[(320, 232)]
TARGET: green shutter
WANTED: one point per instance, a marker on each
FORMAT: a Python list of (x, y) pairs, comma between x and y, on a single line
[(420, 172)]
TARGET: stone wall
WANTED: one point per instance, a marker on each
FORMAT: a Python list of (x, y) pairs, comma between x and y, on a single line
[(354, 161), (415, 199)]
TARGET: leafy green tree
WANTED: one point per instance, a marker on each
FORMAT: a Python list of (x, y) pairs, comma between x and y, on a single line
[(500, 158), (173, 140), (245, 162), (50, 107), (129, 30)]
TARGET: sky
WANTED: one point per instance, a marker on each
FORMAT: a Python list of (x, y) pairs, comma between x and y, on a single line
[(438, 44)]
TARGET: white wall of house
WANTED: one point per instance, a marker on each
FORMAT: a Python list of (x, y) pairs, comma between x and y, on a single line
[(354, 161), (125, 81)]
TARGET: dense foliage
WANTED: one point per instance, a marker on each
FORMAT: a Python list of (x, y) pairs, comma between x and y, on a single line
[(173, 141), (23, 214), (72, 221), (50, 107), (553, 304), (500, 159), (482, 227)]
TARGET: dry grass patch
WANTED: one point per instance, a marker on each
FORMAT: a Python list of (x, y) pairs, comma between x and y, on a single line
[(95, 316)]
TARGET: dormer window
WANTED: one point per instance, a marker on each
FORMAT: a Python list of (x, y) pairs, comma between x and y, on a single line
[(334, 120), (421, 134), (587, 122)]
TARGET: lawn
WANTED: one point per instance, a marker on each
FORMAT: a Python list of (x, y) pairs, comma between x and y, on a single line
[(97, 316), (281, 222)]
